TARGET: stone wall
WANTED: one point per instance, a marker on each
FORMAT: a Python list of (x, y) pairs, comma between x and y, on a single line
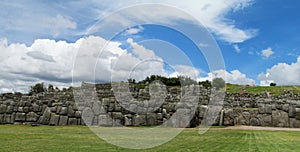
[(101, 106)]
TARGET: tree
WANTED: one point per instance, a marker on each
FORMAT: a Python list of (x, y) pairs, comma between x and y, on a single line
[(130, 80), (218, 83), (185, 80), (37, 88), (205, 84), (272, 84)]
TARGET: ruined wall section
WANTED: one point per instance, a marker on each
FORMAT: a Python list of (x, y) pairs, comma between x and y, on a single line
[(99, 107)]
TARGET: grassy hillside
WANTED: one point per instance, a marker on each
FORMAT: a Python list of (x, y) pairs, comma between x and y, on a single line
[(275, 90)]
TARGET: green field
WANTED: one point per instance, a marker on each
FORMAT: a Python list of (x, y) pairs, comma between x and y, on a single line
[(275, 90), (49, 138)]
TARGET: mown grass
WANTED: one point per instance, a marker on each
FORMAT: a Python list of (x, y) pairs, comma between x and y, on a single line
[(80, 138), (275, 90)]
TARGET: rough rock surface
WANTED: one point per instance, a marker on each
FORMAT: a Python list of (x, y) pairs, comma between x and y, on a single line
[(189, 106)]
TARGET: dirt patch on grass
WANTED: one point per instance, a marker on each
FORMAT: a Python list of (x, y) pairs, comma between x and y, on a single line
[(256, 128)]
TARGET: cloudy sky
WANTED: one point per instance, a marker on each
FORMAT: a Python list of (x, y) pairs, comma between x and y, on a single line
[(66, 42)]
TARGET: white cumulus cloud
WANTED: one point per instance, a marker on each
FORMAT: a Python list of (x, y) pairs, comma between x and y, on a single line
[(134, 30), (267, 52), (282, 74), (87, 59), (233, 77), (237, 48), (212, 14)]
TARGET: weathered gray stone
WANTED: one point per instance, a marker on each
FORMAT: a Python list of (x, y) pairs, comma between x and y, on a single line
[(44, 107), (261, 108), (58, 109), (128, 121), (159, 116), (141, 110), (88, 116), (133, 108), (117, 115), (72, 121), (202, 110), (9, 118), (228, 117), (297, 113), (2, 108), (53, 109), (292, 111), (46, 116), (10, 109), (164, 112), (254, 122), (246, 115), (15, 109), (183, 117), (294, 123), (79, 121), (268, 109), (280, 118), (285, 107), (111, 107), (265, 120), (2, 119), (118, 108), (139, 120), (32, 117), (71, 112), (278, 106), (151, 119), (20, 109), (273, 106), (20, 117), (240, 120), (63, 121), (63, 111), (77, 114), (26, 109), (36, 108), (95, 121), (54, 120), (96, 108), (105, 120)]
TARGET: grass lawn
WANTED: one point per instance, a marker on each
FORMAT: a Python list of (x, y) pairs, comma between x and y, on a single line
[(80, 138), (275, 90)]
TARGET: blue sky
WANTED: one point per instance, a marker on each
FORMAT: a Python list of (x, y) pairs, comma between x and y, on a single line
[(59, 41)]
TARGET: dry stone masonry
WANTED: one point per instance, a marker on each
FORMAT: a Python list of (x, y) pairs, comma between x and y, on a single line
[(111, 105)]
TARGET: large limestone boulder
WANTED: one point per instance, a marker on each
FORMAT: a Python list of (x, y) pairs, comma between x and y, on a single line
[(2, 108), (265, 120), (54, 120), (105, 120), (20, 117), (280, 118), (228, 117), (63, 121), (294, 123), (32, 117)]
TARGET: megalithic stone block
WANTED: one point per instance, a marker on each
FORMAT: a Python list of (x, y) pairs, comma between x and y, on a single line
[(54, 120), (32, 117), (63, 121)]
